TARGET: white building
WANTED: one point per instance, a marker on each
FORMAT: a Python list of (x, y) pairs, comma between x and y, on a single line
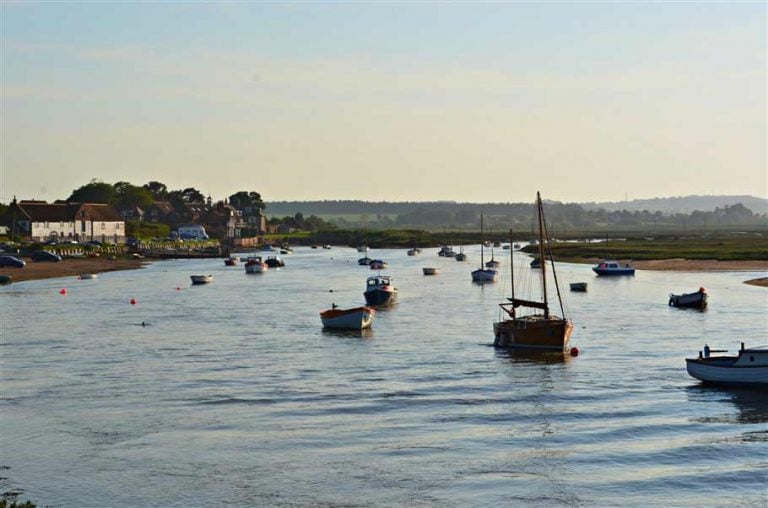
[(40, 221)]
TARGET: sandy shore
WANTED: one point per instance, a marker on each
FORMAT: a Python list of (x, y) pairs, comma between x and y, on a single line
[(70, 267)]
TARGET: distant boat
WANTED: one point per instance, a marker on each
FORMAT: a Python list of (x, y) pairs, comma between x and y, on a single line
[(286, 249), (535, 263), (362, 248), (749, 368), (232, 261), (697, 300), (87, 276), (366, 261), (580, 287), (460, 256), (6, 279), (446, 252), (483, 274), (613, 268), (256, 265), (274, 262), (378, 264), (326, 247), (201, 279), (414, 251), (542, 331), (380, 291), (358, 318), (267, 248), (430, 271)]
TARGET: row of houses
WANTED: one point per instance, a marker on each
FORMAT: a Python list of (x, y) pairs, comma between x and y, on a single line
[(62, 221)]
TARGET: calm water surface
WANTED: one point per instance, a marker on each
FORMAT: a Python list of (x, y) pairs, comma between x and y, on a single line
[(234, 394)]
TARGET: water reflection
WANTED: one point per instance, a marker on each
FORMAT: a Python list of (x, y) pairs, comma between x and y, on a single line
[(752, 404), (533, 356), (364, 334)]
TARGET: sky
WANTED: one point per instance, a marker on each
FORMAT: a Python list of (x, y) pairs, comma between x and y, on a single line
[(386, 101)]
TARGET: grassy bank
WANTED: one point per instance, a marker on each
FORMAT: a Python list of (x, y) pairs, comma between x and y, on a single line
[(723, 248)]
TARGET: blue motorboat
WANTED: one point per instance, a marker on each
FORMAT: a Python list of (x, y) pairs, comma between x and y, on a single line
[(613, 268)]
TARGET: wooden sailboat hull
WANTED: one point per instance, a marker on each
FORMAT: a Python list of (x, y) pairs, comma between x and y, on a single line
[(533, 332)]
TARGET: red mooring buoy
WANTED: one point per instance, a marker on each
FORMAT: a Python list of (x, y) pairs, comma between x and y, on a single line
[(574, 351), (133, 301), (63, 291)]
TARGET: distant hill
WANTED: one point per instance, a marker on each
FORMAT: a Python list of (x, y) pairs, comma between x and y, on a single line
[(682, 204), (672, 205)]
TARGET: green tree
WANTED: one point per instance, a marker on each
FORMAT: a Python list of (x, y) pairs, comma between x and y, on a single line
[(243, 200), (94, 192), (159, 190), (128, 195)]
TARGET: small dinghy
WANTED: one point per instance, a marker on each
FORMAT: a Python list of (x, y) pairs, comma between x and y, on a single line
[(201, 279), (697, 300), (358, 318), (580, 287), (749, 368)]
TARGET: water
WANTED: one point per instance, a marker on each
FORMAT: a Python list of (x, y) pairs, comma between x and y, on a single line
[(234, 394)]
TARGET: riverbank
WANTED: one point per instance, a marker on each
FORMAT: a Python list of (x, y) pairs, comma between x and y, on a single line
[(70, 267)]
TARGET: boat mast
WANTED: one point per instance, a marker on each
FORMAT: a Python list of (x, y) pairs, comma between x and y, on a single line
[(512, 272), (482, 264), (541, 253)]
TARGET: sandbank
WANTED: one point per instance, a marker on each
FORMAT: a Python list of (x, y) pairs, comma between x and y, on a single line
[(70, 267)]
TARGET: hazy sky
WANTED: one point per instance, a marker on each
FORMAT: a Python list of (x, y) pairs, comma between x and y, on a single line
[(387, 101)]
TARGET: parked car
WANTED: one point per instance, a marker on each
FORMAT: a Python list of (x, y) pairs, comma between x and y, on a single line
[(12, 261), (94, 243), (44, 255)]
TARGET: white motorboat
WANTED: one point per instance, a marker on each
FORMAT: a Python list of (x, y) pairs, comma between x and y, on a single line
[(256, 265), (201, 279), (748, 368)]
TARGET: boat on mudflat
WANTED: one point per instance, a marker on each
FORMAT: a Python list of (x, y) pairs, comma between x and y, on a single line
[(537, 331), (748, 368), (201, 279), (613, 268), (358, 318), (380, 291), (697, 300)]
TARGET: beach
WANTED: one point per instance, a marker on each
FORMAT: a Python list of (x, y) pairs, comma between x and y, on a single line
[(70, 267)]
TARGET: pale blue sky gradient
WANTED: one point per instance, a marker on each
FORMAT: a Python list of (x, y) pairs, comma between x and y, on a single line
[(387, 101)]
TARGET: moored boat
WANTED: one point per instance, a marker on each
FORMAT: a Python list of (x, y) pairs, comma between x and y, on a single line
[(414, 251), (358, 318), (274, 262), (542, 331), (446, 252), (255, 264), (428, 270), (366, 261), (87, 276), (6, 279), (697, 300), (380, 291), (580, 287), (483, 274), (378, 264), (748, 368), (232, 261), (201, 279), (613, 268)]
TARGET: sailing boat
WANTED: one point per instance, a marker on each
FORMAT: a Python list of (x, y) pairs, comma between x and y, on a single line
[(483, 274), (538, 331), (492, 263)]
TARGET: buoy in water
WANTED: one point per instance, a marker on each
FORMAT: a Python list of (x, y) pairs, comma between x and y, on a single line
[(133, 301), (63, 291), (178, 288), (574, 351)]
